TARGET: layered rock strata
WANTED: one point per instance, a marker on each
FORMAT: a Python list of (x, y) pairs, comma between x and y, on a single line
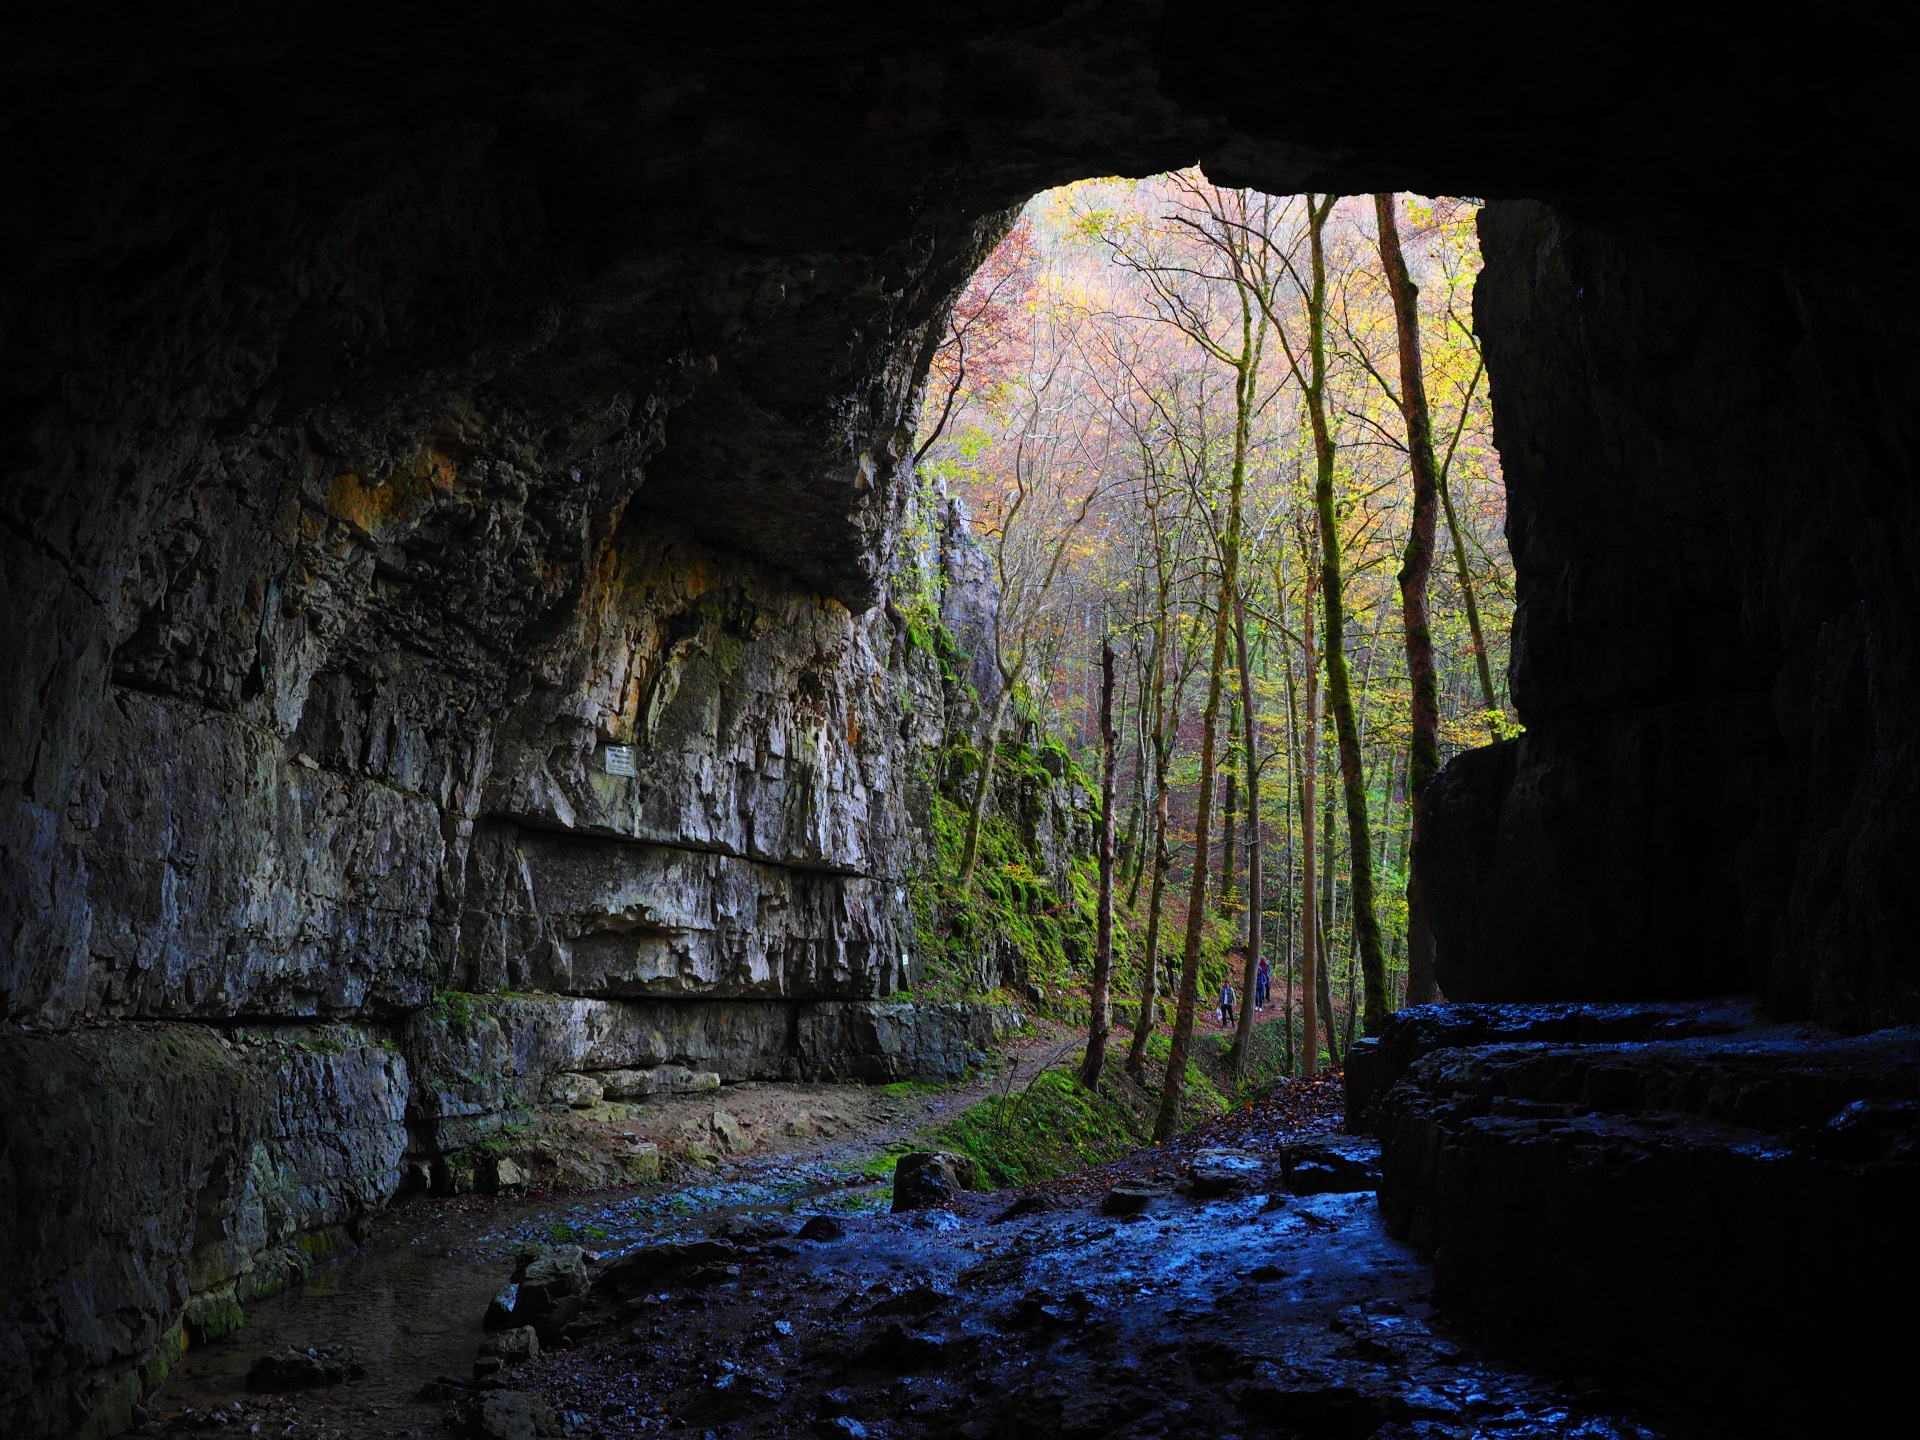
[(1710, 1211), (413, 421), (1714, 649)]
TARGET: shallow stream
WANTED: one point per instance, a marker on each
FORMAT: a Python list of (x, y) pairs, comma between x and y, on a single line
[(411, 1301)]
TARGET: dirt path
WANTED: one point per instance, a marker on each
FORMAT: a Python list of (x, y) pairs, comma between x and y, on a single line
[(410, 1303)]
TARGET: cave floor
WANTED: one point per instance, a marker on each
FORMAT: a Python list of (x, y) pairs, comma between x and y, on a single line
[(1255, 1312)]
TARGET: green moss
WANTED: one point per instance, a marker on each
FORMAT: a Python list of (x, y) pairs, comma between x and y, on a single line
[(327, 1243), (457, 1011), (208, 1317), (1009, 904), (499, 1145), (900, 1089), (880, 1166), (112, 1410), (573, 1232), (1051, 1128)]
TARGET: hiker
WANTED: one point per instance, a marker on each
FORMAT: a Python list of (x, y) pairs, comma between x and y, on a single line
[(1226, 1006), (1262, 985)]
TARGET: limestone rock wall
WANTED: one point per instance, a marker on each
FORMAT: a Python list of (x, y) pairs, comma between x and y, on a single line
[(1714, 653), (1651, 1196), (148, 1166), (404, 412)]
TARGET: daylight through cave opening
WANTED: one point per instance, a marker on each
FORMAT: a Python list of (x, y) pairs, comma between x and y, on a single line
[(493, 694)]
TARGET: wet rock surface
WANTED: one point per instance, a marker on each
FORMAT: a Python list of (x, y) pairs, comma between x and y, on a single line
[(457, 480), (923, 1179), (1660, 1209), (795, 1307), (1217, 1316), (292, 1369)]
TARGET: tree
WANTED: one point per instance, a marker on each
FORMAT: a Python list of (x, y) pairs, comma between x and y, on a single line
[(1204, 291), (1048, 486), (1100, 1018), (1250, 729), (980, 346), (1312, 379)]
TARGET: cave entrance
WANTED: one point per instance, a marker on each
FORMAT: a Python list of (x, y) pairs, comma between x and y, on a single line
[(1155, 395)]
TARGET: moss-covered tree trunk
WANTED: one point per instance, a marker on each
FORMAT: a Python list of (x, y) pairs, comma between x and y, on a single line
[(1366, 926), (1328, 914), (1416, 565), (1173, 1090), (1250, 734), (1309, 771), (1229, 827), (976, 813)]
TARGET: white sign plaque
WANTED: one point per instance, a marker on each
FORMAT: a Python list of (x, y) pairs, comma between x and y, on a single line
[(620, 760)]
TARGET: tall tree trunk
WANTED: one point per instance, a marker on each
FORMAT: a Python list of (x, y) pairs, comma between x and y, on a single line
[(1466, 592), (1167, 1123), (1416, 565), (1329, 913), (1288, 890), (1150, 989), (1162, 858), (1229, 824), (1339, 687), (1101, 1019), (1246, 381), (1309, 770), (1416, 562), (1250, 733), (990, 750)]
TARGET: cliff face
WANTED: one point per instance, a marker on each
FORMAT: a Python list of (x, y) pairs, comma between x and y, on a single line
[(1709, 459), (405, 414)]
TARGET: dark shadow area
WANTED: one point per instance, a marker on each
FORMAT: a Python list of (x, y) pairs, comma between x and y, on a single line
[(403, 407)]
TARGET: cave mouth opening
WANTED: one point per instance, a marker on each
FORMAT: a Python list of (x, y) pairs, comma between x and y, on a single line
[(1132, 366), (396, 438)]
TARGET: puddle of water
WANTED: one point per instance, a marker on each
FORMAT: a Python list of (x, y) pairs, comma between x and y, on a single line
[(411, 1302)]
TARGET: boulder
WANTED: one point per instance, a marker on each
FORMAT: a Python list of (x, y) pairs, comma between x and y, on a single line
[(731, 1134), (500, 1309), (1221, 1172), (648, 1266), (497, 1175), (1129, 1198), (1331, 1165), (550, 1286), (642, 1161), (577, 1092), (926, 1178), (508, 1347)]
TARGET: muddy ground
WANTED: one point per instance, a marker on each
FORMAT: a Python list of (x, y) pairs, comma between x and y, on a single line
[(1231, 1308)]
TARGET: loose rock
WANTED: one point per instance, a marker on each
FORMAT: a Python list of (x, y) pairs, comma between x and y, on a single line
[(924, 1178), (293, 1369), (1221, 1172), (1333, 1165), (579, 1092), (1125, 1200), (732, 1136), (552, 1283)]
